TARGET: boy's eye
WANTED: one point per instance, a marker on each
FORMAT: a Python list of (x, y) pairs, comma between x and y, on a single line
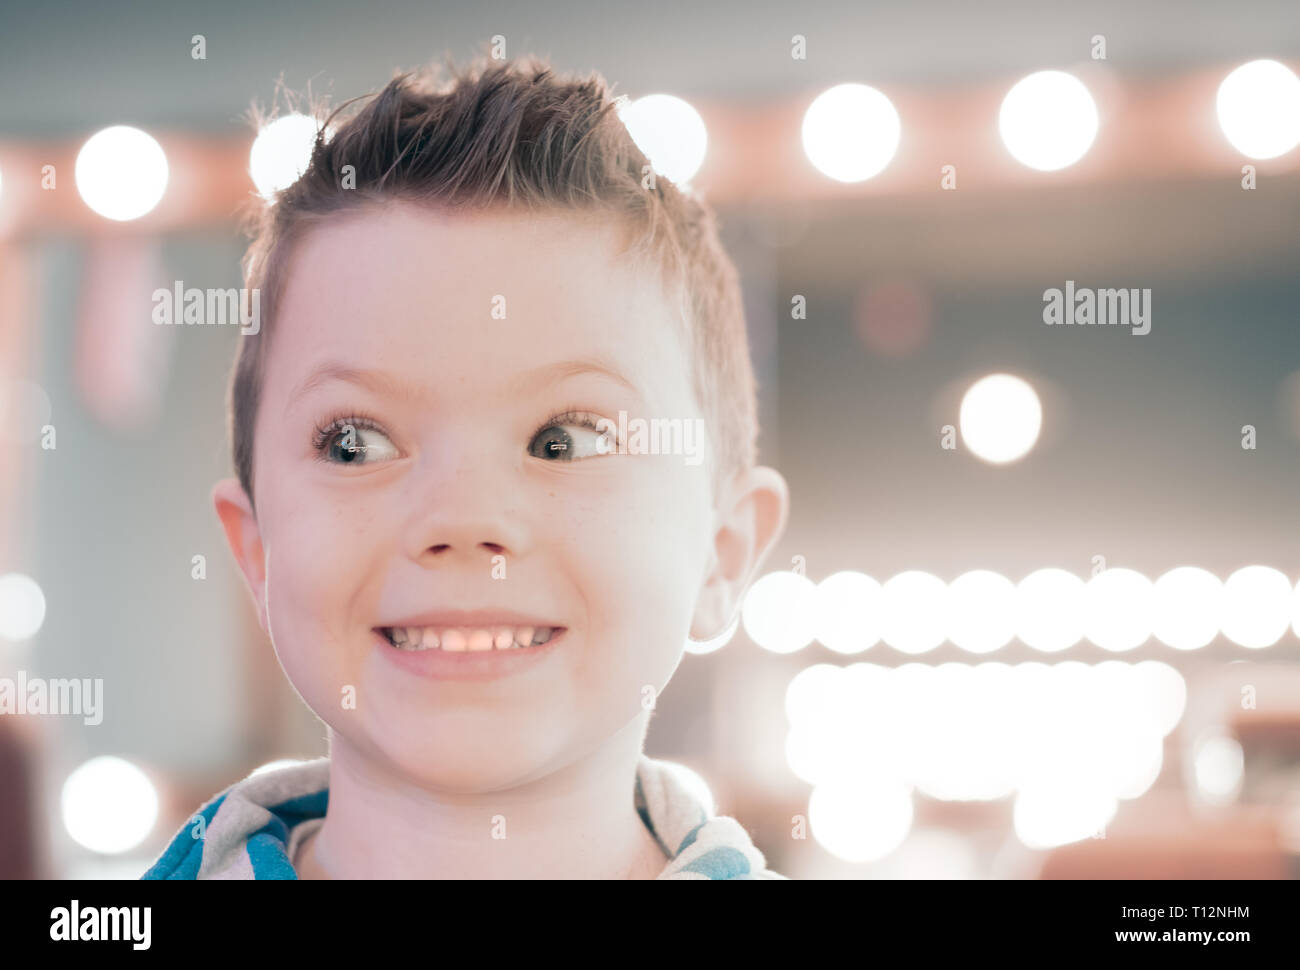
[(555, 442), (352, 445)]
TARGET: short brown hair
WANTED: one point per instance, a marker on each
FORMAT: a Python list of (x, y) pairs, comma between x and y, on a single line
[(509, 134)]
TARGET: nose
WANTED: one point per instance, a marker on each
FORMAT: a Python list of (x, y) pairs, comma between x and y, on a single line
[(465, 506)]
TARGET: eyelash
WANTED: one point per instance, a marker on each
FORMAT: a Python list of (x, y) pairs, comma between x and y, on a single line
[(570, 415), (324, 432), (330, 428)]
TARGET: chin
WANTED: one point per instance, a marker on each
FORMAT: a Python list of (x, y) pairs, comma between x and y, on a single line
[(450, 762)]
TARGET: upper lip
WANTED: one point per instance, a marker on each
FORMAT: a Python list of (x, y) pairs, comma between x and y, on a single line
[(478, 619)]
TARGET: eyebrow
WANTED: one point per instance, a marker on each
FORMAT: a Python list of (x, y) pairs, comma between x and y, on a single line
[(381, 382)]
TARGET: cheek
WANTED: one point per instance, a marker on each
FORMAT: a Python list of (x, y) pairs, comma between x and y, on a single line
[(322, 555), (641, 561)]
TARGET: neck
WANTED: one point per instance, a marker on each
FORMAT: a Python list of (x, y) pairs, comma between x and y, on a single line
[(578, 822)]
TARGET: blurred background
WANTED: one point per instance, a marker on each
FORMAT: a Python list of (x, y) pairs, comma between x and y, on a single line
[(1035, 613)]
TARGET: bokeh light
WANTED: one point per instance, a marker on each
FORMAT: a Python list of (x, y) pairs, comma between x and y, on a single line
[(1256, 606), (1118, 609), (913, 612), (22, 607), (109, 805), (1000, 418), (981, 611), (1258, 106), (1057, 811), (1188, 607), (121, 173), (808, 691), (670, 132), (281, 152), (851, 132), (859, 819), (1049, 610), (848, 612), (1163, 693), (1218, 768), (780, 612), (1048, 120)]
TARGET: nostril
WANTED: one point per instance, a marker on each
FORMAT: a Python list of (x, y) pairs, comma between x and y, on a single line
[(494, 547)]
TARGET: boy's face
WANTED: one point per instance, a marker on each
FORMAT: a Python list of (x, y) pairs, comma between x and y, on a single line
[(449, 324)]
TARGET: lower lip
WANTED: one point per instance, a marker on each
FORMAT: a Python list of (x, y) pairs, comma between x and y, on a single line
[(467, 664)]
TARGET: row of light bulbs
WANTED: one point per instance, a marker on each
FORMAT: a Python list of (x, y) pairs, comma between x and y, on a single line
[(1048, 121), (1049, 610), (1066, 742)]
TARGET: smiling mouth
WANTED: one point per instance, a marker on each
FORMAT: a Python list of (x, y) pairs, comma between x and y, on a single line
[(457, 639)]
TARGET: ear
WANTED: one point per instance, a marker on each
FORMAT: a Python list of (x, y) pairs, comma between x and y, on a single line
[(752, 513), (244, 538)]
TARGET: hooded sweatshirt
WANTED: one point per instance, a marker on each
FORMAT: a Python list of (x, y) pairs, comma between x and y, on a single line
[(253, 829)]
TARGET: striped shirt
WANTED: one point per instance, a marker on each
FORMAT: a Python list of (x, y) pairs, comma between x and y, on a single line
[(253, 828)]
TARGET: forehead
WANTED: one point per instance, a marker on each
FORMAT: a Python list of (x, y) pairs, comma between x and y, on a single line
[(474, 297)]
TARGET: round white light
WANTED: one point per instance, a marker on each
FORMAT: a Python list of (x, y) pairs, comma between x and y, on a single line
[(860, 820), (982, 614), (1048, 120), (779, 612), (121, 173), (816, 752), (1256, 606), (281, 152), (1000, 418), (670, 132), (1052, 811), (1218, 766), (22, 607), (809, 691), (1188, 607), (1259, 109), (1049, 610), (848, 612), (1134, 760), (1118, 609), (109, 805), (955, 741), (913, 612), (850, 132), (1164, 693)]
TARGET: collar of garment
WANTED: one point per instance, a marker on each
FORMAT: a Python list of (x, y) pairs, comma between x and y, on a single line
[(245, 831)]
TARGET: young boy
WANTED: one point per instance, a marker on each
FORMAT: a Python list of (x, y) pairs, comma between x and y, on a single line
[(471, 293)]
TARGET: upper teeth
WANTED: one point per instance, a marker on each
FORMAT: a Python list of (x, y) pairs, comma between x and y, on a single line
[(467, 638)]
